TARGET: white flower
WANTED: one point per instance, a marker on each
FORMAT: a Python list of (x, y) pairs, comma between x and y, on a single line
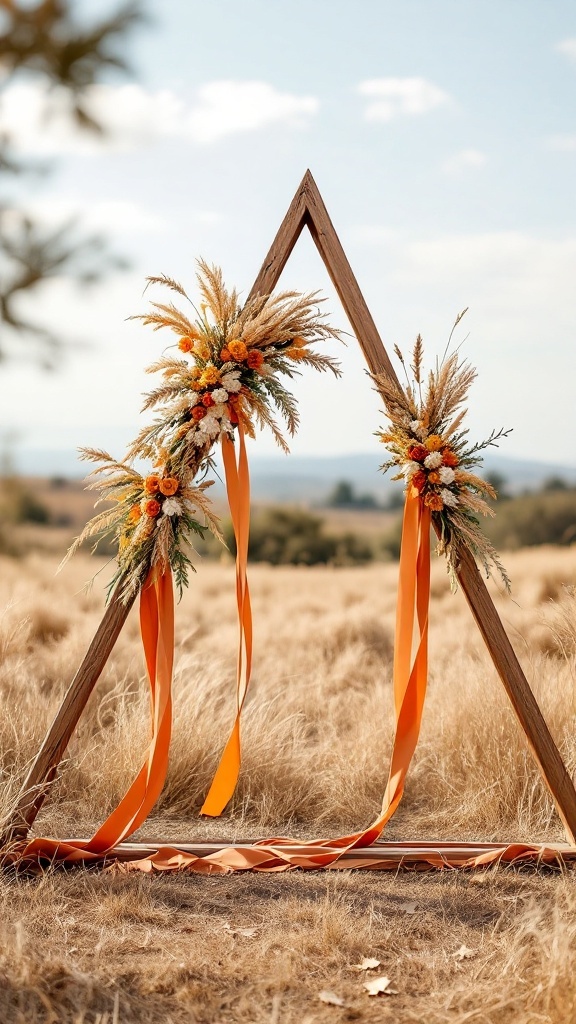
[(433, 460), (210, 426), (219, 395), (219, 411), (417, 428), (171, 507), (195, 437), (448, 497), (446, 474), (409, 468), (194, 399), (231, 381)]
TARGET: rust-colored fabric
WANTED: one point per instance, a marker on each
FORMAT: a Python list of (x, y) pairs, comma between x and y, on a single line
[(238, 488), (157, 629)]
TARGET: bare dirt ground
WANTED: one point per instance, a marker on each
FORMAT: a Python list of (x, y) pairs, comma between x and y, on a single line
[(96, 948)]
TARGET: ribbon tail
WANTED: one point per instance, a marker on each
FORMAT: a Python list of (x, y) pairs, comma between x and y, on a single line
[(157, 629), (238, 488)]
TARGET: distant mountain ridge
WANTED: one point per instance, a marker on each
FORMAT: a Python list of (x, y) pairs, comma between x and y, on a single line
[(309, 479)]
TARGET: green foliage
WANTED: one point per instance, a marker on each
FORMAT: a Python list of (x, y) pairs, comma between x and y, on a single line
[(285, 536), (548, 517), (20, 505), (47, 42), (344, 496)]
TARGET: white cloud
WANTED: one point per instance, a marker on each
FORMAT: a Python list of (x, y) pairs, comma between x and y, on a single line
[(464, 159), (40, 121), (227, 107), (567, 47), (390, 98), (562, 143), (101, 215)]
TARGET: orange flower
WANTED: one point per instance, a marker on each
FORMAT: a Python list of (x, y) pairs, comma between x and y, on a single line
[(296, 353), (152, 507), (298, 342), (434, 477), (195, 372), (238, 350), (169, 485), (207, 400), (449, 458), (255, 359), (210, 375), (225, 355), (134, 514), (417, 452), (434, 502), (434, 443), (151, 484), (185, 344), (198, 412), (419, 480)]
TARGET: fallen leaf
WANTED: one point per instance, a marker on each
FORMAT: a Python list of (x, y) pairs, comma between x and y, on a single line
[(367, 963), (248, 933), (380, 985), (464, 953), (409, 908), (331, 998)]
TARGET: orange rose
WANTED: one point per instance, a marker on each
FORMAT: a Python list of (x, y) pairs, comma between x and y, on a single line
[(434, 502), (238, 350), (207, 400), (198, 412), (417, 452), (169, 485), (225, 355), (419, 480), (449, 458), (152, 507), (151, 484), (255, 359), (433, 477), (185, 344)]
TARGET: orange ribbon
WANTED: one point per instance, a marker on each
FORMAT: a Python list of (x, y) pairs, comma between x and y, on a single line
[(238, 488), (157, 629)]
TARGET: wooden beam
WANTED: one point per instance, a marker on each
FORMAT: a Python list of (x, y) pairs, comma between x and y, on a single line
[(45, 765), (308, 209)]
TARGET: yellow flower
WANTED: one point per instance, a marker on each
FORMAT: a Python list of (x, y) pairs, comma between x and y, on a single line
[(238, 350), (434, 443), (210, 376)]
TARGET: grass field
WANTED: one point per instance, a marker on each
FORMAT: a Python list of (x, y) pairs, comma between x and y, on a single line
[(98, 948)]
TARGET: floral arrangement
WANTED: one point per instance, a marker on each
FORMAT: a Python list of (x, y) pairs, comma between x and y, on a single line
[(225, 378), (433, 455)]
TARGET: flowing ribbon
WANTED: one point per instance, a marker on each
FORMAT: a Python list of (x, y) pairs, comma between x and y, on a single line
[(157, 629), (238, 488), (281, 854)]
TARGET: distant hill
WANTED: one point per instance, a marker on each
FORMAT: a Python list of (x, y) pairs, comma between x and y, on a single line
[(308, 479)]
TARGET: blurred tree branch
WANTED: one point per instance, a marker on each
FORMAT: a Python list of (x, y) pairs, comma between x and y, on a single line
[(46, 42)]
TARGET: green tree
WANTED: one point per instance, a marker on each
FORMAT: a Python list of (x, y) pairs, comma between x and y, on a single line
[(47, 42)]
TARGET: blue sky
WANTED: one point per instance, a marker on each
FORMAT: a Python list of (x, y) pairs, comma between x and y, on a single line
[(442, 135)]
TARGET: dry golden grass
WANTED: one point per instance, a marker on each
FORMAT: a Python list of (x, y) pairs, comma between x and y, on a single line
[(96, 948)]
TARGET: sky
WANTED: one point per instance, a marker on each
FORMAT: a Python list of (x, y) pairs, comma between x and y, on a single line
[(442, 136)]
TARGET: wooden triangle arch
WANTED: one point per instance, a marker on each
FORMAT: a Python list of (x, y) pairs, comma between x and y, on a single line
[(308, 210)]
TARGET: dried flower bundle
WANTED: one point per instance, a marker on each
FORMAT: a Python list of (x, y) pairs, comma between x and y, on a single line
[(234, 359), (434, 456)]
